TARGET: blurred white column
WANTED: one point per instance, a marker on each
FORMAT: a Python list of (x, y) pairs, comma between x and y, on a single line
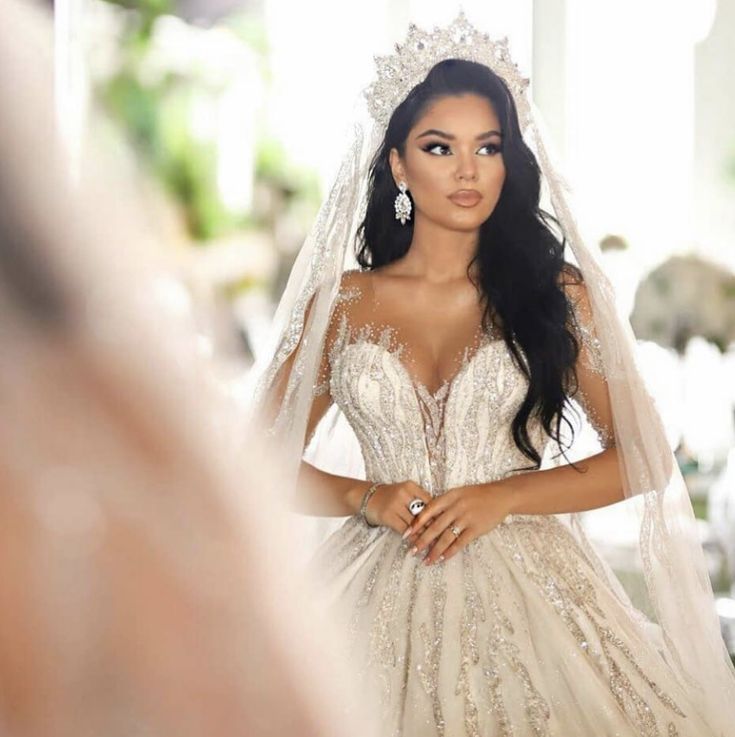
[(71, 82), (714, 148), (630, 119), (549, 75)]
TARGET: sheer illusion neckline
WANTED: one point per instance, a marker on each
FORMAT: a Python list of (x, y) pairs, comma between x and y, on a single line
[(388, 334), (443, 390)]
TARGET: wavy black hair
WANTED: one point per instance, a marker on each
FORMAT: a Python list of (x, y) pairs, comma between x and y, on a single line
[(520, 261)]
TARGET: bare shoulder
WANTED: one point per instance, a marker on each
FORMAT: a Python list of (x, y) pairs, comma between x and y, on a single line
[(353, 280), (351, 277)]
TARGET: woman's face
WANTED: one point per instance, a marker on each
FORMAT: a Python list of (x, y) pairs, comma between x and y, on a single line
[(455, 145)]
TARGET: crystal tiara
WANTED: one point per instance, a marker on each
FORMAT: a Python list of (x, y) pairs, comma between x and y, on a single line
[(399, 73)]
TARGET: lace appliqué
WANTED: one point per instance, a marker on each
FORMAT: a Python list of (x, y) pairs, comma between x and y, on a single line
[(590, 358), (547, 553), (345, 295), (593, 355), (604, 434)]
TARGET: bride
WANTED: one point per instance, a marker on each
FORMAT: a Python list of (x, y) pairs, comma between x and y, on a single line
[(453, 346)]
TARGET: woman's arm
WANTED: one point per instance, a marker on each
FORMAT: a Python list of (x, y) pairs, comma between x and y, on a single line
[(328, 495), (319, 493), (564, 489), (559, 490)]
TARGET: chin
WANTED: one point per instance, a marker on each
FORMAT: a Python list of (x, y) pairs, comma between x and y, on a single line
[(465, 226), (469, 219)]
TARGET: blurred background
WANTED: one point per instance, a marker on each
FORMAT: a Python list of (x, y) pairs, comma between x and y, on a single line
[(230, 117)]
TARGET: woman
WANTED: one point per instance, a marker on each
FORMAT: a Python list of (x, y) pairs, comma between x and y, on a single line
[(453, 352)]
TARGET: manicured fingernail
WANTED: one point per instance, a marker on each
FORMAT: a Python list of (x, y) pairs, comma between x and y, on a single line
[(406, 533), (414, 550), (440, 559)]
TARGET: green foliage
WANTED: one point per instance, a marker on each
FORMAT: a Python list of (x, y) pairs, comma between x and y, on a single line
[(155, 116), (144, 16), (273, 167), (156, 113), (250, 31), (699, 505)]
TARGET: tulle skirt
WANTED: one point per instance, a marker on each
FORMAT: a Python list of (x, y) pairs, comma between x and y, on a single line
[(520, 634)]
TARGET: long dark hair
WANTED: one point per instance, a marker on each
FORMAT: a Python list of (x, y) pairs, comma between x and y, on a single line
[(520, 262)]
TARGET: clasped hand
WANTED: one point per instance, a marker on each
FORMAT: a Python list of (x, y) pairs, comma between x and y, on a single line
[(475, 510)]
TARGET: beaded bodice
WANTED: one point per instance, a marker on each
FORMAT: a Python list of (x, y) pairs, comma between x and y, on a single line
[(454, 434)]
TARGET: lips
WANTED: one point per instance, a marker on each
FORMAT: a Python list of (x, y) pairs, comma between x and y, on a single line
[(465, 197)]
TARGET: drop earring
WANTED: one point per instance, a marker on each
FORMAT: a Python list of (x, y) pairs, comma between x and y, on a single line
[(403, 204)]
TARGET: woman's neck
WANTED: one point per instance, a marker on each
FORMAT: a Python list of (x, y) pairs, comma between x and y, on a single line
[(438, 254)]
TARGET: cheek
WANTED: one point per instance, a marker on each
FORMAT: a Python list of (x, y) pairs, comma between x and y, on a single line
[(429, 195), (499, 175), (426, 182), (500, 184), (496, 184)]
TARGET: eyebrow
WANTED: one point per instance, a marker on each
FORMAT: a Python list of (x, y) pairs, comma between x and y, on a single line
[(450, 137)]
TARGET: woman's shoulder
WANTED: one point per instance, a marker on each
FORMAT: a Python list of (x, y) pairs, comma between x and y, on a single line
[(572, 282), (570, 277), (353, 282), (354, 276)]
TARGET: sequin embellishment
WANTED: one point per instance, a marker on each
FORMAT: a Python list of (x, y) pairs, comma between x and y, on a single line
[(450, 646), (591, 358)]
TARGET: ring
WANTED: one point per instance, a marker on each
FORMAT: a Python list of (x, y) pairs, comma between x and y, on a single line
[(415, 506), (456, 530)]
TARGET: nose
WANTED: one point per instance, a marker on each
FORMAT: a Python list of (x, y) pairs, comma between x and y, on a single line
[(466, 167)]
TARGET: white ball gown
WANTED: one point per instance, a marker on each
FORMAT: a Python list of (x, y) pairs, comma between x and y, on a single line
[(520, 634)]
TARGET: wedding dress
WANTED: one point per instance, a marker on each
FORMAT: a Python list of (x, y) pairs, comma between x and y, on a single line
[(529, 630), (518, 634)]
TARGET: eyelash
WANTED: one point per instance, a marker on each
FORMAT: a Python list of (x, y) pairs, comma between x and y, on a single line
[(429, 146)]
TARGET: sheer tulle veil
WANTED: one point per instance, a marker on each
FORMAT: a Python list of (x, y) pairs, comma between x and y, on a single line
[(676, 592)]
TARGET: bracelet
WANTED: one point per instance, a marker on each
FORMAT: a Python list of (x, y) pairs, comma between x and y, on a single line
[(364, 503)]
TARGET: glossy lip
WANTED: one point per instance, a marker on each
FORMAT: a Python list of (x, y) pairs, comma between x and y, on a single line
[(465, 197)]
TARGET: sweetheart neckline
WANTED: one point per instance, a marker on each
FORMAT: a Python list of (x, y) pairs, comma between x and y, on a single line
[(418, 385)]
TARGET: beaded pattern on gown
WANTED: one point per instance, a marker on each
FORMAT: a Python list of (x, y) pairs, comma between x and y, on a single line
[(520, 633)]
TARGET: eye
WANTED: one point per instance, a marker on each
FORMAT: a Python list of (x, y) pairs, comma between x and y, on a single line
[(494, 146), (431, 146)]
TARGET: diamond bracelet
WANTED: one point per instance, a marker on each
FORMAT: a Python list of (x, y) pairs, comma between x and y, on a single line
[(364, 503)]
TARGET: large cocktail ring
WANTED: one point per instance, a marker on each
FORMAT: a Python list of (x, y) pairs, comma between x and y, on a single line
[(415, 506)]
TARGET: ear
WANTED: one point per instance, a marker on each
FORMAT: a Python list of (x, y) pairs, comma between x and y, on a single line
[(396, 166)]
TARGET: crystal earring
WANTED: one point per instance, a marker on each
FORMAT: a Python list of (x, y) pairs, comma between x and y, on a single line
[(403, 204)]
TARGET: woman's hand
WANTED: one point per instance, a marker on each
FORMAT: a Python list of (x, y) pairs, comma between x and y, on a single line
[(388, 505), (475, 510)]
